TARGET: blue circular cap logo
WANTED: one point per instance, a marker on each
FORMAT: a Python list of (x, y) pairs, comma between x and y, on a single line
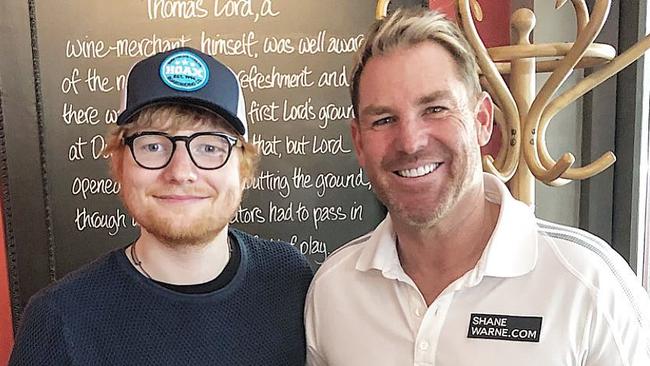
[(184, 71)]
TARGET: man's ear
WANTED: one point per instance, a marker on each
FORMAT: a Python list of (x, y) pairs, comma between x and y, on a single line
[(357, 141), (483, 115)]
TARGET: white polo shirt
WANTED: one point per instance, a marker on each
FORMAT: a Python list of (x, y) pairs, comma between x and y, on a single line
[(541, 294)]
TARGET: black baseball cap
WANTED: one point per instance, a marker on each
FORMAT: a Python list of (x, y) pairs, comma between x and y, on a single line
[(184, 76)]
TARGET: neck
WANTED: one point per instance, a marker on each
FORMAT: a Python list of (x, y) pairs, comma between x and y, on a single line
[(451, 247), (180, 264)]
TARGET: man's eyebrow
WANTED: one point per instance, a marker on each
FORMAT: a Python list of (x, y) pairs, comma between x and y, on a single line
[(435, 96), (374, 110)]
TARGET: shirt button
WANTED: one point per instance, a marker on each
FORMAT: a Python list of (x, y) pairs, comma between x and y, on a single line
[(418, 311), (424, 346)]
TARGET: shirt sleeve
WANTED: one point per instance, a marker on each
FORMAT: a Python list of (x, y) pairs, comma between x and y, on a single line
[(620, 329), (40, 339)]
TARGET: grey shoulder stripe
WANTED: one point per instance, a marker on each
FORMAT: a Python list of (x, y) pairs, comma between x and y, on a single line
[(359, 240), (596, 246), (579, 234), (585, 235)]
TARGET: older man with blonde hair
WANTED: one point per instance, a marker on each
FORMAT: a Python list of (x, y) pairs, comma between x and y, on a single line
[(459, 273)]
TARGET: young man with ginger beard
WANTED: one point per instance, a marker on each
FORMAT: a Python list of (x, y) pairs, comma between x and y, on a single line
[(190, 290)]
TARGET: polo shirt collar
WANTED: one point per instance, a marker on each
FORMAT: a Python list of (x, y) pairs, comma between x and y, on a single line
[(510, 252), (380, 251), (512, 249)]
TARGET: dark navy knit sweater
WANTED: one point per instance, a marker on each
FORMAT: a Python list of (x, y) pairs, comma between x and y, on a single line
[(109, 314)]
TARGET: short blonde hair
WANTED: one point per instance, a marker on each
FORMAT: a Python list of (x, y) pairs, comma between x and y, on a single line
[(410, 27), (172, 118)]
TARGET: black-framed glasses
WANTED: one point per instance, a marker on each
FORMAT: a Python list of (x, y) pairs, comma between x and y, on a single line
[(154, 150)]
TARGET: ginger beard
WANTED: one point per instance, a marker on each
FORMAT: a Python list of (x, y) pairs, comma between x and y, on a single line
[(180, 228)]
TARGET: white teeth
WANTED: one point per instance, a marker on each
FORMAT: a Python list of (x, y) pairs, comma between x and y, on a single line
[(419, 171)]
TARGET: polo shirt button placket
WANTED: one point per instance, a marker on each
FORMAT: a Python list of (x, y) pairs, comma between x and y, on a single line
[(424, 352), (417, 306), (424, 346), (418, 311)]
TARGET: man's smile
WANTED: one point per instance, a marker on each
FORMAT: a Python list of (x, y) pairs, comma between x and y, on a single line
[(179, 198), (419, 171)]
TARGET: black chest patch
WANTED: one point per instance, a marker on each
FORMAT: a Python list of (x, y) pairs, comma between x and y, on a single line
[(505, 327)]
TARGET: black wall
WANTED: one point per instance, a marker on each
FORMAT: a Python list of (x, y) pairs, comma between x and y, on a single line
[(62, 67)]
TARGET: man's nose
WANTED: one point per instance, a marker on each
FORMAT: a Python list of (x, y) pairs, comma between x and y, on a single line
[(181, 168), (410, 136)]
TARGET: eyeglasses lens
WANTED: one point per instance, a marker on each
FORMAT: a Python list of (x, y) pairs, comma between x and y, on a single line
[(207, 151)]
